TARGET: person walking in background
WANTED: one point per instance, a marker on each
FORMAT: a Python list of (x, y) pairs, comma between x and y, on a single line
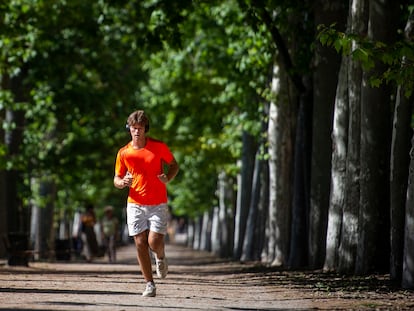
[(140, 166), (109, 227), (77, 233), (89, 241)]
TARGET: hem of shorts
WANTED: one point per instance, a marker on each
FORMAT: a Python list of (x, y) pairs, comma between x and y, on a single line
[(163, 233), (132, 235)]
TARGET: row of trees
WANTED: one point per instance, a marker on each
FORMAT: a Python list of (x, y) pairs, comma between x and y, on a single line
[(288, 149), (331, 188)]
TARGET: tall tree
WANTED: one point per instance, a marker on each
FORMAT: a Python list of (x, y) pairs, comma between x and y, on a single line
[(294, 57), (325, 77), (255, 226), (372, 253), (399, 166), (280, 139), (408, 255), (225, 225), (338, 168), (357, 25), (244, 192), (371, 54)]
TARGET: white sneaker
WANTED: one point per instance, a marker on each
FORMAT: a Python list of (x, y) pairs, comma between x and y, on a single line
[(150, 290), (162, 267)]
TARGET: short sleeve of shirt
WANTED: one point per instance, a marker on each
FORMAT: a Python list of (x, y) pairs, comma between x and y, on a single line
[(120, 168), (167, 155)]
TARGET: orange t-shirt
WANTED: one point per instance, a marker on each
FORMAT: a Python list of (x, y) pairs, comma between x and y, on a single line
[(145, 165)]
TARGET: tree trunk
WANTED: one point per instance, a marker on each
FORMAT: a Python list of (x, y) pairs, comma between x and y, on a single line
[(205, 239), (244, 192), (373, 246), (254, 241), (400, 162), (259, 245), (271, 222), (298, 256), (42, 221), (250, 239), (191, 233), (358, 20), (17, 215), (197, 232), (3, 214), (338, 174), (325, 78), (280, 170), (223, 230), (215, 231), (263, 211), (408, 257), (3, 199)]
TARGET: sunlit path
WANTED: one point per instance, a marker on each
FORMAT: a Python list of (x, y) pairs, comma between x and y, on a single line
[(197, 281)]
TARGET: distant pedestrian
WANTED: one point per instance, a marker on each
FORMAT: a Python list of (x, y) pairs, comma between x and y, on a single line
[(89, 241), (109, 227), (77, 233), (140, 166)]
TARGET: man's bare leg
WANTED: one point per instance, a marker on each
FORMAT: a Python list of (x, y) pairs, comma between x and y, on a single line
[(156, 244), (143, 255)]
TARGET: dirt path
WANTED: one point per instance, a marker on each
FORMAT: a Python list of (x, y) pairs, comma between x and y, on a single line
[(197, 281)]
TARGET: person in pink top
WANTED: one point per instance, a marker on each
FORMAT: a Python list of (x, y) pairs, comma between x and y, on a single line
[(140, 166)]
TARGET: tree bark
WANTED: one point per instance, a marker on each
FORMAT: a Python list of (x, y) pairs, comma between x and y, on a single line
[(325, 78), (298, 256), (197, 232), (215, 231), (256, 222), (17, 216), (408, 257), (205, 238), (400, 162), (358, 23), (280, 169), (42, 221), (338, 173), (225, 213), (252, 219), (263, 212), (244, 192), (3, 199), (373, 246), (191, 233), (17, 219)]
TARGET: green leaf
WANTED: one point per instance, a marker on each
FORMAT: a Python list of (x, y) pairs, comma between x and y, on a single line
[(375, 81)]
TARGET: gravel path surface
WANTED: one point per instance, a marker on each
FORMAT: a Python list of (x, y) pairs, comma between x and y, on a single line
[(196, 281)]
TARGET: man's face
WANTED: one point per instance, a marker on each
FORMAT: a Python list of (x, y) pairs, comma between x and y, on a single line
[(137, 131)]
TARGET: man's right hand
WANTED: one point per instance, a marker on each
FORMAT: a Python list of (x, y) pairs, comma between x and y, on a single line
[(126, 181)]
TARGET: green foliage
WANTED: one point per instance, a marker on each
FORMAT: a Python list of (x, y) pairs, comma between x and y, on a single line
[(18, 35), (200, 100), (196, 67), (77, 55), (398, 58)]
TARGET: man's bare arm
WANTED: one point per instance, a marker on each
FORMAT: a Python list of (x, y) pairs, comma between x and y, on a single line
[(173, 169), (121, 183)]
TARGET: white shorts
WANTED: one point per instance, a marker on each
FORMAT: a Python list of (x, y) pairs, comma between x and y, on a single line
[(147, 217)]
